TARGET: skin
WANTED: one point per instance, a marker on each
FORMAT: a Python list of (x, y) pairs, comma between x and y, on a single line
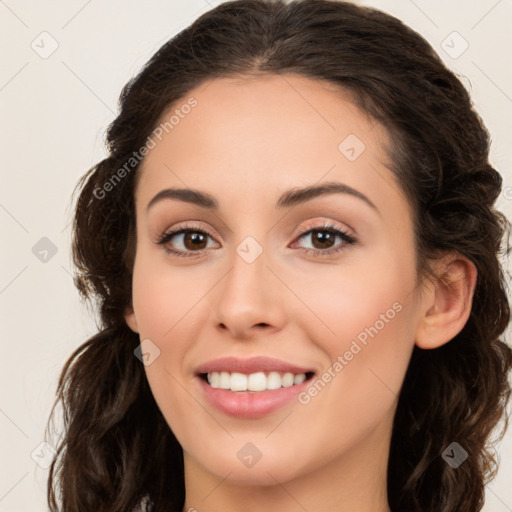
[(246, 142)]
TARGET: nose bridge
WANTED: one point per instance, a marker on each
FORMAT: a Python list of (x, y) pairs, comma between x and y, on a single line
[(248, 295), (248, 274), (250, 255)]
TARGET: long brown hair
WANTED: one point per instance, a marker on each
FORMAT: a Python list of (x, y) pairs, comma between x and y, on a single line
[(117, 449)]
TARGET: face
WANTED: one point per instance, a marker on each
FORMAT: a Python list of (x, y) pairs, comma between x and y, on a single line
[(322, 281)]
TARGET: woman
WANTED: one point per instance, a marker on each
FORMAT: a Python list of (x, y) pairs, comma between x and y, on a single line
[(334, 342)]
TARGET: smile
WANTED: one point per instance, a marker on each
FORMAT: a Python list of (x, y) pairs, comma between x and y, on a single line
[(265, 397), (259, 381)]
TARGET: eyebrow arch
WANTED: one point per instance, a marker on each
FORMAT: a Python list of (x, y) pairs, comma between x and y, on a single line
[(288, 199)]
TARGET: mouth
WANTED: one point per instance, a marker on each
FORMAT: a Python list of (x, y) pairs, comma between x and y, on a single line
[(250, 396), (251, 388), (254, 382)]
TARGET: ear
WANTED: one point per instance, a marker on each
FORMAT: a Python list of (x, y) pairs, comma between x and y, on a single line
[(447, 302), (131, 321)]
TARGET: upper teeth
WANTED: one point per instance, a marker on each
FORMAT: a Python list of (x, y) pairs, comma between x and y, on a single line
[(254, 381)]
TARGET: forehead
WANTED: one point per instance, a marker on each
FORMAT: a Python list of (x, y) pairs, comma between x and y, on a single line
[(257, 134)]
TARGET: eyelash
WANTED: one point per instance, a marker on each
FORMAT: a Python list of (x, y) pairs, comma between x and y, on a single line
[(348, 239)]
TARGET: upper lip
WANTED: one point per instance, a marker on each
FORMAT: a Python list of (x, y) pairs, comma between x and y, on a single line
[(251, 365)]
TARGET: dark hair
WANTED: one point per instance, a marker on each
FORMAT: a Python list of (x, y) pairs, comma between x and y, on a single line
[(117, 448)]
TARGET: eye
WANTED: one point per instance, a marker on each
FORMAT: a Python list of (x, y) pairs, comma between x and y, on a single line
[(194, 240), (325, 236)]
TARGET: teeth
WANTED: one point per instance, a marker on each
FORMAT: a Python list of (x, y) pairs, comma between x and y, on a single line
[(259, 381)]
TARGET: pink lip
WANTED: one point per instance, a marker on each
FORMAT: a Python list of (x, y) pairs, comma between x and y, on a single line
[(250, 404), (252, 365)]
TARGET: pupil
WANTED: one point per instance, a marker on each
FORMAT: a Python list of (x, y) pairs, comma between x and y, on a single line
[(195, 238), (326, 237)]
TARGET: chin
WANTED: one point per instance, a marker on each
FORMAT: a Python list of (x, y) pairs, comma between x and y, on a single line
[(269, 470)]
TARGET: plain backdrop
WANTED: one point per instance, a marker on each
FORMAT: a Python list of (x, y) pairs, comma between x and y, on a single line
[(55, 108)]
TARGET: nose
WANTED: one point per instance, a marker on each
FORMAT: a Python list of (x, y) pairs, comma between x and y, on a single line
[(249, 298)]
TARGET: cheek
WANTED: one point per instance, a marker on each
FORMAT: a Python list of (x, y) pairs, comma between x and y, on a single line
[(161, 300), (167, 303), (365, 291), (364, 322), (162, 297)]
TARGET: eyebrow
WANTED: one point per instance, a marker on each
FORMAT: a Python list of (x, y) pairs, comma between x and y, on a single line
[(288, 199)]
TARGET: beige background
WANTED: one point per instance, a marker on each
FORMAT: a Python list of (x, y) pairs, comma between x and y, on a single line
[(54, 112)]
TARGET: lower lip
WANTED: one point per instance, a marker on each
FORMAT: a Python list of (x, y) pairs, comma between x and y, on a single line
[(250, 404)]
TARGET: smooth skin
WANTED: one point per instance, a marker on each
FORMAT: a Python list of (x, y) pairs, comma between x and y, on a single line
[(245, 143)]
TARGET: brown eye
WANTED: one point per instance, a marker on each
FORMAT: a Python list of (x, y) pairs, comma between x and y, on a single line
[(187, 239), (194, 240), (323, 240)]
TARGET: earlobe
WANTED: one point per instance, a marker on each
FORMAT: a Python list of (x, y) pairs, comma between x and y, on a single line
[(131, 321), (447, 303)]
